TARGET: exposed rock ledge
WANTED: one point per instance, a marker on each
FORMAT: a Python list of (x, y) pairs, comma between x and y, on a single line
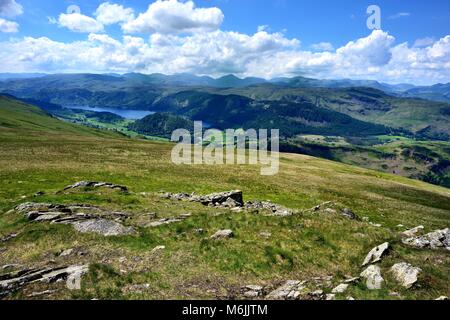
[(84, 218), (233, 200)]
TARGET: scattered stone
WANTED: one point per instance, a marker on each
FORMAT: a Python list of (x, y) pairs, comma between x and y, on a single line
[(137, 288), (373, 277), (318, 294), (352, 280), (14, 281), (376, 254), (330, 296), (349, 214), (376, 225), (340, 288), (66, 252), (10, 266), (265, 235), (169, 220), (406, 274), (330, 211), (8, 237), (412, 232), (94, 184), (442, 298), (400, 226), (253, 291), (158, 248), (349, 298), (394, 294), (42, 293), (291, 290), (433, 240), (271, 208), (199, 231), (222, 234), (104, 227), (39, 194)]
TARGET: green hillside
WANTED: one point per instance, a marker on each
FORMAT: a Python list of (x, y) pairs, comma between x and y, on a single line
[(322, 247)]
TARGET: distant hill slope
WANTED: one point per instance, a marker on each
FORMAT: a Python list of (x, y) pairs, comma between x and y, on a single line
[(234, 111), (161, 125), (425, 118), (438, 92), (19, 118)]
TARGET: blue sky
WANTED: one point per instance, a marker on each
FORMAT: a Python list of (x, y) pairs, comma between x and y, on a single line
[(311, 38)]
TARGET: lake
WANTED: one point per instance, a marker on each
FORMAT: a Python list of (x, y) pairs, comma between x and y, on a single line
[(126, 113)]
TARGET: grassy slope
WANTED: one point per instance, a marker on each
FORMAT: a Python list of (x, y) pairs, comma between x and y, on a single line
[(53, 154)]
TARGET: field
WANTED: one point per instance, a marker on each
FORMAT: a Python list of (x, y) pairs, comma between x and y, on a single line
[(40, 153)]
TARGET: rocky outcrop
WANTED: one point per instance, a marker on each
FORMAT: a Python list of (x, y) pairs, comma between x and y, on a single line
[(14, 281), (95, 184), (269, 207), (232, 200), (405, 274), (291, 290), (84, 218), (373, 277), (412, 232), (376, 254), (439, 239), (229, 199)]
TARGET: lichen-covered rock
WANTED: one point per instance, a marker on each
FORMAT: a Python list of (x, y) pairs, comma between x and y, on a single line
[(95, 184), (434, 240), (372, 275), (376, 254), (340, 288), (412, 232), (405, 274), (104, 227)]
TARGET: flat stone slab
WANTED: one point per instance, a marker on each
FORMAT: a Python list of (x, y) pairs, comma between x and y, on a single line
[(104, 227)]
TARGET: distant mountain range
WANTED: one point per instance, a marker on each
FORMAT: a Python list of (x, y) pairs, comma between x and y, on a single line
[(438, 92)]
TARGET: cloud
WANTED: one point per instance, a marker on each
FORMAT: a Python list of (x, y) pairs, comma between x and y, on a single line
[(322, 46), (79, 23), (8, 26), (262, 54), (10, 8), (108, 13), (171, 16), (424, 42), (399, 15)]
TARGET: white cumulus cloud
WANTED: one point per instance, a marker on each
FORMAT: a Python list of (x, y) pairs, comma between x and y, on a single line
[(172, 16), (323, 46), (108, 13), (8, 26), (262, 54), (78, 22)]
